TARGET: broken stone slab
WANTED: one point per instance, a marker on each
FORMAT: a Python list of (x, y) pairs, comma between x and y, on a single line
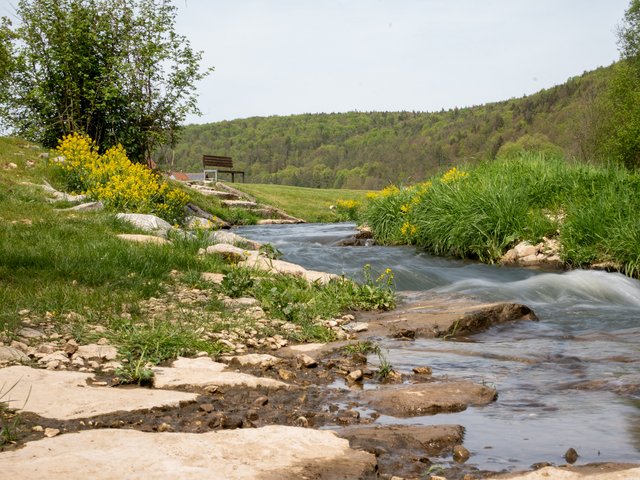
[(10, 354), (145, 222), (138, 238), (66, 395), (422, 439), (203, 372), (267, 453), (443, 317), (428, 398)]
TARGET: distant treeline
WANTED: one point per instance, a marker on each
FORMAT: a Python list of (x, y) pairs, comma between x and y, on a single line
[(369, 150)]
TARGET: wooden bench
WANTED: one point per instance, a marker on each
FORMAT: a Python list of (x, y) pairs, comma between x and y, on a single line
[(216, 164)]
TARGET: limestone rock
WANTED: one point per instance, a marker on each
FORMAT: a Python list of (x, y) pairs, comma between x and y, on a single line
[(138, 238), (96, 352), (74, 398), (204, 372), (27, 332), (10, 354), (231, 238), (429, 398), (305, 361), (230, 252), (460, 453), (212, 277), (85, 207), (273, 452), (261, 360), (148, 223), (60, 357)]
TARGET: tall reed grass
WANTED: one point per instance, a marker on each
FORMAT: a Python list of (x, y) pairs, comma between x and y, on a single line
[(483, 211)]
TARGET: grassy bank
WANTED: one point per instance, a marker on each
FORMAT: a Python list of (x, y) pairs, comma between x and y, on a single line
[(67, 272), (310, 204), (481, 212)]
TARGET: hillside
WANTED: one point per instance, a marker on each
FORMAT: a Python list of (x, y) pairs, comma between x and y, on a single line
[(370, 150)]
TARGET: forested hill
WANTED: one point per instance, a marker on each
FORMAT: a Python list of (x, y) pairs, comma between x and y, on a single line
[(371, 150)]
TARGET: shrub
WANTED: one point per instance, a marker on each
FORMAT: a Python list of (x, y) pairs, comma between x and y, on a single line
[(348, 209), (113, 179)]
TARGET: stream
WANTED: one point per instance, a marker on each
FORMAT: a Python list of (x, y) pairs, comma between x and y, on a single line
[(569, 380)]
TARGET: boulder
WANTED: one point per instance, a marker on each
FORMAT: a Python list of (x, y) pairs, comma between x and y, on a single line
[(145, 222), (428, 398), (229, 252)]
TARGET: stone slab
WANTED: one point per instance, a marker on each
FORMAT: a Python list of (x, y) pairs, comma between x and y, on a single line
[(203, 372), (602, 471), (267, 453), (66, 395)]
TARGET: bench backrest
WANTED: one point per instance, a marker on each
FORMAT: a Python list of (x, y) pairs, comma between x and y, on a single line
[(216, 161)]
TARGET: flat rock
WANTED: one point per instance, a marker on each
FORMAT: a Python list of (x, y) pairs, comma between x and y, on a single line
[(315, 350), (267, 453), (212, 277), (428, 398), (261, 360), (10, 354), (85, 207), (148, 223), (286, 268), (422, 439), (204, 372), (230, 252), (66, 395), (596, 471), (231, 238), (444, 318), (94, 351), (27, 332), (139, 238)]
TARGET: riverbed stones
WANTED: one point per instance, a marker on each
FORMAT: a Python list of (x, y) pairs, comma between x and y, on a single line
[(66, 395), (204, 373), (268, 453), (545, 253), (428, 398)]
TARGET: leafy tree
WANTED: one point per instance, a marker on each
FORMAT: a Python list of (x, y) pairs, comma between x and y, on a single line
[(621, 135), (113, 69), (6, 62)]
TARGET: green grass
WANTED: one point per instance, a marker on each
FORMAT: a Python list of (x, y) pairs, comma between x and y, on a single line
[(591, 210), (310, 204)]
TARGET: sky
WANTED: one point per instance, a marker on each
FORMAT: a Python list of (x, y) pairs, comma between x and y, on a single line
[(281, 57)]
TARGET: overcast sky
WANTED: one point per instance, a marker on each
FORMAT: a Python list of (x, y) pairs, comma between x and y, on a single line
[(279, 57)]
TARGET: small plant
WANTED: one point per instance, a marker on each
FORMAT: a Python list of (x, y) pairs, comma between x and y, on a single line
[(363, 348), (378, 294), (270, 251), (136, 371), (237, 282), (9, 419), (385, 369)]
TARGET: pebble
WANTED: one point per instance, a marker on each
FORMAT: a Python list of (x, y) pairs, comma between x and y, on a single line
[(571, 455), (206, 407), (51, 432), (422, 370), (306, 361), (460, 454), (261, 401), (165, 427), (71, 347), (355, 376), (37, 428), (286, 374), (301, 422)]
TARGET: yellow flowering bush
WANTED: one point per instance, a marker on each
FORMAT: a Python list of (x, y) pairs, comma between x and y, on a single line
[(348, 209), (117, 182), (453, 175)]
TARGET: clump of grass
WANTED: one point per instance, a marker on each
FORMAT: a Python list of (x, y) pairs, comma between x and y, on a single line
[(362, 348)]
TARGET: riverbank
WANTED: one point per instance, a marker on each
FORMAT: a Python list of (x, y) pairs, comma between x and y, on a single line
[(563, 214)]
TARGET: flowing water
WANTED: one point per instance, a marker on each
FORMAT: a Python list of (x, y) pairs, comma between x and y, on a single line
[(570, 380)]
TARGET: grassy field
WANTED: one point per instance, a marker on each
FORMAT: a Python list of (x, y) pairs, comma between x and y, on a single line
[(310, 204), (66, 271)]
